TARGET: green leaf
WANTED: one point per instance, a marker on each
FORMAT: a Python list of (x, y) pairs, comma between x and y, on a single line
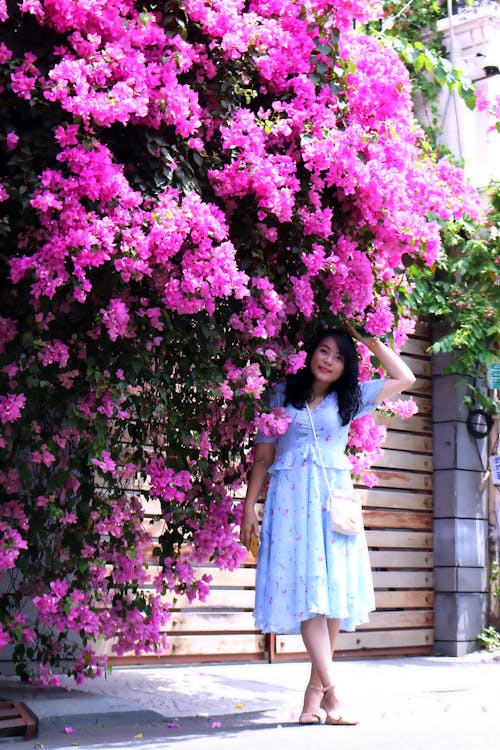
[(323, 48)]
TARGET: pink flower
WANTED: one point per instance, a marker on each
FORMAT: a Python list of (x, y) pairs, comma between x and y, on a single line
[(106, 463), (403, 407), (5, 638), (296, 362), (319, 196), (11, 407), (44, 457), (12, 140), (273, 424), (5, 52), (116, 318), (54, 352), (66, 135), (8, 329)]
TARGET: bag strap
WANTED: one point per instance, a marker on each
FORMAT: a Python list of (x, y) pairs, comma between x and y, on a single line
[(318, 449)]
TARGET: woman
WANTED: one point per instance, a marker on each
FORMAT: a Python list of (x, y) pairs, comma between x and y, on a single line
[(311, 579)]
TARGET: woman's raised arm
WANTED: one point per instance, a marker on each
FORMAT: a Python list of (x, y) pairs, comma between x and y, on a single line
[(400, 376)]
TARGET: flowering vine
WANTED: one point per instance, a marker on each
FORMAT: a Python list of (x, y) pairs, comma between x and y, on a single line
[(188, 191)]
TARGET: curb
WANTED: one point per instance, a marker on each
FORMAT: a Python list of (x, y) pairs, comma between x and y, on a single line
[(57, 708)]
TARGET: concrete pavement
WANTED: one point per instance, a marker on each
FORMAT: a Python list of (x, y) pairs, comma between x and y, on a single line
[(393, 698)]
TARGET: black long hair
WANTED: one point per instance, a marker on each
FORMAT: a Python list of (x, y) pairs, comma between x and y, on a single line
[(299, 384)]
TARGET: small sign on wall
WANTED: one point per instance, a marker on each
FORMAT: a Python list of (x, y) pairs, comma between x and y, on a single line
[(495, 469), (494, 376)]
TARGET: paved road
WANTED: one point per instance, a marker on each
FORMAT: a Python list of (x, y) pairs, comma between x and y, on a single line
[(425, 703), (455, 723)]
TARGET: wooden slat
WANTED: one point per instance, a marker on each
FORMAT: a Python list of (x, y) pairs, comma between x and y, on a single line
[(235, 600), (399, 539), (404, 599), (400, 559), (421, 387), (155, 528), (246, 577), (416, 347), (292, 644), (398, 519), (232, 643), (151, 506), (398, 459), (209, 622), (404, 480), (413, 618), (407, 441), (192, 646), (196, 622), (403, 579), (240, 577), (224, 579), (380, 497), (16, 722), (419, 367), (415, 424), (386, 639)]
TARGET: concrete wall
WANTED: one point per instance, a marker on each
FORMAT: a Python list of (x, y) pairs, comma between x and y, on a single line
[(460, 493), (460, 519)]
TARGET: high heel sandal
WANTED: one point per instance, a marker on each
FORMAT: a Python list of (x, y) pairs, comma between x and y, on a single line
[(313, 717), (337, 718)]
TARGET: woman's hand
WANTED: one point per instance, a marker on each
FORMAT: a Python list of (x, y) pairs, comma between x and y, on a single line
[(353, 333), (263, 458), (400, 377), (249, 525)]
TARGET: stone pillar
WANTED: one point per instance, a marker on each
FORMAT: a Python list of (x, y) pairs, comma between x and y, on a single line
[(472, 37), (460, 519)]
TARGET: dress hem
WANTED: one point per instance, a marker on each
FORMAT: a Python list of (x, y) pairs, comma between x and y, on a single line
[(346, 623)]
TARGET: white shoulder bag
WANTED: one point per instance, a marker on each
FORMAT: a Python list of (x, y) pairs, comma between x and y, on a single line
[(344, 506)]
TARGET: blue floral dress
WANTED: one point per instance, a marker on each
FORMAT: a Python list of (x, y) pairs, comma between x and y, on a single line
[(304, 568)]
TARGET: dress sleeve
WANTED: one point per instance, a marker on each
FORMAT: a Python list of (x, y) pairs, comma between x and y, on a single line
[(369, 392), (275, 397)]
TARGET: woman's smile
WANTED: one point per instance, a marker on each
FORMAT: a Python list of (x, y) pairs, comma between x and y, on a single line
[(327, 362)]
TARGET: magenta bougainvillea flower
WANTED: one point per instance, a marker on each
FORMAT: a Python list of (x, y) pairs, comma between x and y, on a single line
[(188, 192)]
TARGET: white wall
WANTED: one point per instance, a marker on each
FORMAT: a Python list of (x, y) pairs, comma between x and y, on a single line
[(473, 41)]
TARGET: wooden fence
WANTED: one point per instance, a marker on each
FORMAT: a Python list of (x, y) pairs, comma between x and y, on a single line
[(398, 521)]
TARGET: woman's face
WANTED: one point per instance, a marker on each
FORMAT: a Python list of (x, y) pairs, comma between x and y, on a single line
[(327, 362)]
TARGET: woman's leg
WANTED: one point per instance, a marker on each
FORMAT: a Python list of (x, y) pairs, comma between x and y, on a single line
[(333, 631), (319, 635), (316, 637), (330, 701)]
